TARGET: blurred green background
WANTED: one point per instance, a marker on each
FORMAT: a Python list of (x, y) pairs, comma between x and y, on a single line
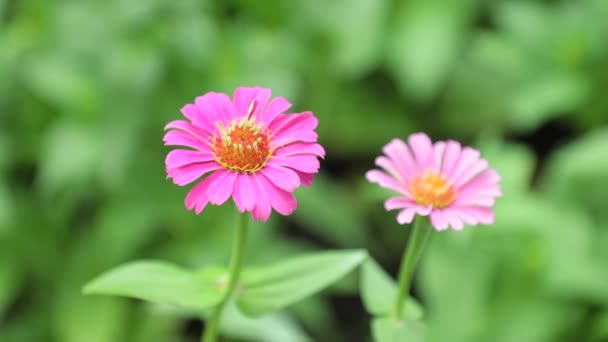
[(86, 87)]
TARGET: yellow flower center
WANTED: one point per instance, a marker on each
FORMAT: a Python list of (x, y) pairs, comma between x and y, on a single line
[(242, 145), (432, 188)]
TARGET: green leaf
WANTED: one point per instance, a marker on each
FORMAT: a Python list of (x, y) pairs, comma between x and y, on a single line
[(161, 282), (378, 291), (391, 330), (271, 288)]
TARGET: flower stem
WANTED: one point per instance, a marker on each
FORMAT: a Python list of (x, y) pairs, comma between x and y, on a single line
[(420, 233), (236, 263)]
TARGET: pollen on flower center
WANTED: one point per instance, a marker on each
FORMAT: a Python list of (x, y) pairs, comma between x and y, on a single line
[(432, 188), (242, 145)]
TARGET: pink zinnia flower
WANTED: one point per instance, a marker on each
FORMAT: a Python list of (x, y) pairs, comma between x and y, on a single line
[(450, 183), (250, 148)]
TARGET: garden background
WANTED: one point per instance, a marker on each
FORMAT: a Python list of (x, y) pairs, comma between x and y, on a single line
[(86, 87)]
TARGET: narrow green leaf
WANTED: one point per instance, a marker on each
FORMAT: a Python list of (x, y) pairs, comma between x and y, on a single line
[(161, 282), (378, 292), (391, 330), (274, 287)]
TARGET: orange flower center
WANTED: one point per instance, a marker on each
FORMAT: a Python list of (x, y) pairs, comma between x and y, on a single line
[(432, 188), (242, 145)]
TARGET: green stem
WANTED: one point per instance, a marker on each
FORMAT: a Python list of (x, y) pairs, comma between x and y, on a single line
[(236, 263), (420, 233)]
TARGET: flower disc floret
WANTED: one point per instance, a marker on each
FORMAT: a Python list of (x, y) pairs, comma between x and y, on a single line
[(242, 145)]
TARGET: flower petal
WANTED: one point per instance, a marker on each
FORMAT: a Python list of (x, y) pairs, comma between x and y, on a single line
[(198, 118), (291, 128), (277, 106), (261, 211), (467, 160), (422, 148), (189, 173), (304, 162), (438, 220), (221, 189), (282, 201), (178, 158), (386, 181), (244, 193), (243, 96), (285, 178), (300, 148), (197, 197), (450, 156), (215, 107)]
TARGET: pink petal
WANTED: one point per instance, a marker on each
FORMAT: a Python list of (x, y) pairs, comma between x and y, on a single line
[(438, 151), (286, 124), (453, 220), (486, 178), (401, 156), (399, 203), (483, 215), (198, 119), (300, 148), (282, 201), (215, 107), (305, 178), (479, 166), (277, 106), (390, 168), (406, 216), (261, 211), (450, 157), (422, 147), (244, 193), (243, 96), (285, 178), (304, 162), (183, 133), (467, 160), (294, 137), (189, 173), (198, 197), (386, 181), (221, 189), (438, 220), (178, 158)]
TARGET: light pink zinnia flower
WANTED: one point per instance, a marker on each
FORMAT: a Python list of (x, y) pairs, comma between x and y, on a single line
[(253, 151), (450, 183)]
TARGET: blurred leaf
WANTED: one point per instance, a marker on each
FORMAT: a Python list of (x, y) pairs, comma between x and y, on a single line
[(391, 330), (161, 282), (273, 327), (379, 291), (274, 287), (425, 42), (579, 173), (91, 319)]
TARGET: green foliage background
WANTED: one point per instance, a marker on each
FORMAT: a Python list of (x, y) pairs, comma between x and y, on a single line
[(86, 87)]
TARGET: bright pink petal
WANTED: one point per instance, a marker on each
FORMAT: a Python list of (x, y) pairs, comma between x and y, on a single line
[(215, 107), (243, 97), (282, 201), (189, 173), (244, 193), (386, 181), (277, 106), (304, 163), (422, 148), (463, 177), (305, 178), (407, 215), (178, 158), (399, 203), (221, 189), (261, 211), (293, 122), (198, 118), (483, 215), (300, 148), (198, 197), (283, 177)]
